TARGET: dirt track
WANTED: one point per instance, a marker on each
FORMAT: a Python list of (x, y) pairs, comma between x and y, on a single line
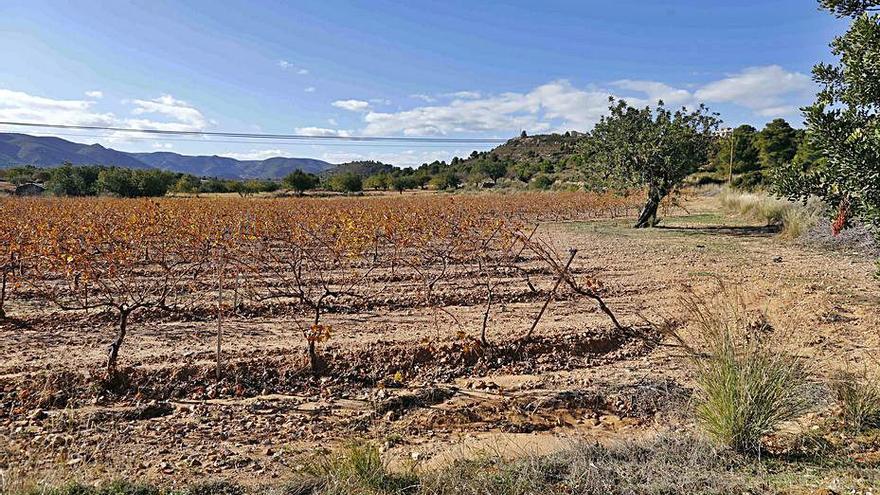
[(259, 425)]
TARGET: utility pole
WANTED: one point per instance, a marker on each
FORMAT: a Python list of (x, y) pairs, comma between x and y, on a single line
[(732, 151)]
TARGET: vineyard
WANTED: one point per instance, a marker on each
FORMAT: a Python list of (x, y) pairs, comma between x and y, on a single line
[(131, 261), (184, 338)]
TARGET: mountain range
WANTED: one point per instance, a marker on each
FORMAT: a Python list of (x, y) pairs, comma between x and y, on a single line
[(44, 151)]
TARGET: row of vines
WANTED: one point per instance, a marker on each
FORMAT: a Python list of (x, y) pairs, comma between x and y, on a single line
[(215, 256)]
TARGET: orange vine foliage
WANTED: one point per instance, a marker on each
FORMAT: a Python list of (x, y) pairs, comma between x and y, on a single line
[(126, 254)]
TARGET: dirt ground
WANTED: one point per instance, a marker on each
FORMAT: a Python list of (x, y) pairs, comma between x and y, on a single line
[(581, 377)]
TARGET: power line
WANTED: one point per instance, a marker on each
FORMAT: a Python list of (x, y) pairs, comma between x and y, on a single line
[(292, 137), (240, 141)]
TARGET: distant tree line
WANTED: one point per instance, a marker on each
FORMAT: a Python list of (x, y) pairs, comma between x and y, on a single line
[(748, 158), (93, 180)]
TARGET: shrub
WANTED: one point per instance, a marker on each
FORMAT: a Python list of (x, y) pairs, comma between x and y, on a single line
[(859, 398), (347, 183), (541, 182), (747, 387)]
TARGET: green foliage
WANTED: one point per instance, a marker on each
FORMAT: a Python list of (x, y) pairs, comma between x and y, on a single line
[(746, 156), (115, 488), (777, 143), (493, 169), (68, 180), (300, 181), (445, 180), (132, 183), (23, 175), (401, 183), (749, 181), (378, 181), (346, 182), (357, 469), (849, 8), (651, 148), (186, 184), (541, 182), (843, 123)]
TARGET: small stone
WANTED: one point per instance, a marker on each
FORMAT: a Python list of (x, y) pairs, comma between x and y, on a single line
[(37, 414)]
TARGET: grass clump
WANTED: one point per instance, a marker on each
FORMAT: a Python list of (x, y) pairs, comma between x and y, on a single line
[(859, 399), (746, 386), (356, 469), (114, 488), (795, 219), (666, 464)]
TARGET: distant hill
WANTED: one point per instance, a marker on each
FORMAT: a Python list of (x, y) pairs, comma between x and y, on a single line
[(554, 148), (363, 168), (23, 149)]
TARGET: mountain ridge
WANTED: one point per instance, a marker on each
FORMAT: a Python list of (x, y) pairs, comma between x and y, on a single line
[(49, 151)]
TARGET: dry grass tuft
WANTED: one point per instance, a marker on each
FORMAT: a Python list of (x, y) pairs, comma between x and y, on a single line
[(859, 399), (747, 387), (794, 218)]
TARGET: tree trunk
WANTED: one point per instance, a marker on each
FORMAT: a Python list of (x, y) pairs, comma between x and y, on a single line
[(3, 295), (648, 216), (117, 343), (313, 359)]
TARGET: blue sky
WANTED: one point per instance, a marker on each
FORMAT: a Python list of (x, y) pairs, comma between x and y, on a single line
[(452, 68)]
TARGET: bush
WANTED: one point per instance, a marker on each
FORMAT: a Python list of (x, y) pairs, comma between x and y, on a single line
[(347, 183), (747, 387), (859, 399), (749, 181), (541, 182)]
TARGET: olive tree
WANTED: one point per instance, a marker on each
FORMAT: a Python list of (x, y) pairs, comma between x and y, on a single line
[(650, 148)]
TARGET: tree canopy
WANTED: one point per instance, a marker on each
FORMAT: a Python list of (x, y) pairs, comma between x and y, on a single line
[(650, 148), (843, 123), (300, 181)]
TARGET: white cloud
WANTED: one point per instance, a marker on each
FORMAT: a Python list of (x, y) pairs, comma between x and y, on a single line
[(352, 105), (464, 95), (321, 131), (655, 91), (163, 146), (22, 107), (425, 98), (184, 116), (95, 94), (557, 104), (310, 89), (768, 90), (332, 122), (288, 65), (380, 101)]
